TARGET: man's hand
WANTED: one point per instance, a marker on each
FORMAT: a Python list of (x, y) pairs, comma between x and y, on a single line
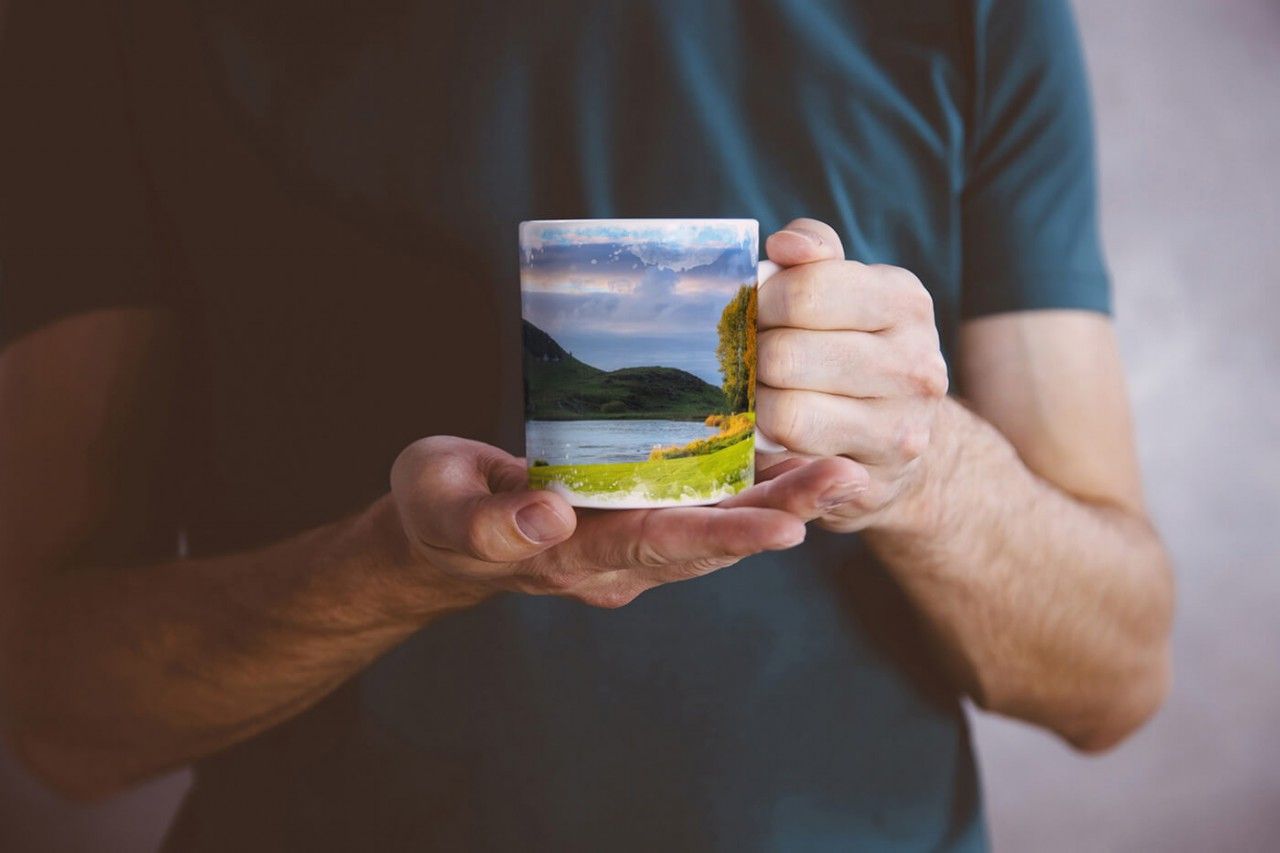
[(849, 365), (466, 514), (1032, 523)]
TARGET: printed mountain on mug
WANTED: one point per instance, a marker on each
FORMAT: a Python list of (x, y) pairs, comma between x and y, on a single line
[(559, 387)]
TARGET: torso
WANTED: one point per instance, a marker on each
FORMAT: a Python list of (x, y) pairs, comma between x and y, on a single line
[(341, 195)]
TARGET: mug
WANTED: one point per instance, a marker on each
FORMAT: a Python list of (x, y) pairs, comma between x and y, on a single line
[(640, 358)]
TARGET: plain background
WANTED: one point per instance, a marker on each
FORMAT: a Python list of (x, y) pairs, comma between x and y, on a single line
[(1187, 97)]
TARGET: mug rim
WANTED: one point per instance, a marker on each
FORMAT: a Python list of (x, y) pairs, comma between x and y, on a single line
[(646, 220)]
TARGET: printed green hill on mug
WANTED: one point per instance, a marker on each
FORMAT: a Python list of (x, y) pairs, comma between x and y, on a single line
[(560, 387)]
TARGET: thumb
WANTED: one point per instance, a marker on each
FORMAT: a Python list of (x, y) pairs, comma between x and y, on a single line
[(804, 241), (454, 495), (509, 527)]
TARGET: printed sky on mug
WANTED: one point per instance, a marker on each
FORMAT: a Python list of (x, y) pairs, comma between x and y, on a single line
[(635, 293)]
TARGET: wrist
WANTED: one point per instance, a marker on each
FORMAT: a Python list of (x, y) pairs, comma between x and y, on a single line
[(920, 509), (412, 586)]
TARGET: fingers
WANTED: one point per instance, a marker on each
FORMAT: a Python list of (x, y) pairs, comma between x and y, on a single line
[(846, 295), (777, 464), (445, 491), (722, 538), (852, 364), (804, 241), (876, 432), (638, 551), (651, 539), (806, 491), (616, 555)]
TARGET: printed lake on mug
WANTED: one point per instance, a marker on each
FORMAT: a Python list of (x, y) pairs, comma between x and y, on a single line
[(640, 359)]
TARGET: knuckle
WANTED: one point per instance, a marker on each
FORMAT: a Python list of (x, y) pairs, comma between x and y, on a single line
[(843, 522), (407, 466), (912, 442), (432, 444), (421, 448), (851, 511), (419, 545), (928, 382), (928, 377), (480, 538), (941, 380), (912, 282), (644, 554), (866, 502), (922, 303), (917, 302), (707, 565), (558, 583), (918, 305), (900, 276), (424, 450), (405, 459)]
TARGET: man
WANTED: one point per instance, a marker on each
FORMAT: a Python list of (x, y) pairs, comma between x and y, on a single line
[(254, 252)]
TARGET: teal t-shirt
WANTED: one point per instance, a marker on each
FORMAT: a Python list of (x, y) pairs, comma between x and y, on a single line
[(329, 194)]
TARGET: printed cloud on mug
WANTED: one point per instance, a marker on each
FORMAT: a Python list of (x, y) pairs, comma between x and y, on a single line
[(639, 359)]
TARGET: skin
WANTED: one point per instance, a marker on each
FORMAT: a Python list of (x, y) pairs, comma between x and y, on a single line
[(111, 674), (1020, 538), (1014, 524)]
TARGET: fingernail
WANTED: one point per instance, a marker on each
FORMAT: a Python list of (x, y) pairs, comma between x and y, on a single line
[(813, 238), (539, 522)]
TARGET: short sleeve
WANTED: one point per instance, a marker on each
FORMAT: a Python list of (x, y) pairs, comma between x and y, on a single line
[(1029, 205), (75, 233)]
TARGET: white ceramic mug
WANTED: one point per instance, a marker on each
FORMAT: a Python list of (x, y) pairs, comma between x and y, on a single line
[(639, 358)]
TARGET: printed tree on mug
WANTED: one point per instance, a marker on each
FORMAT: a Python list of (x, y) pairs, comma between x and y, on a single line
[(737, 350)]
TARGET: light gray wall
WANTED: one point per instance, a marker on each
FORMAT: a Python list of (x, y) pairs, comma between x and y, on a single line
[(1187, 96), (1188, 103)]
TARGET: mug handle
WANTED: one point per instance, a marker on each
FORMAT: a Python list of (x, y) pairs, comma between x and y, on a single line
[(764, 271)]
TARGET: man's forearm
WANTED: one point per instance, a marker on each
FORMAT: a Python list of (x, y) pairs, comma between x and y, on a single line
[(114, 674), (1045, 607)]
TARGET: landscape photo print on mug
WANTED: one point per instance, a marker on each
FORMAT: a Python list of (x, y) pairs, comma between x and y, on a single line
[(640, 359)]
